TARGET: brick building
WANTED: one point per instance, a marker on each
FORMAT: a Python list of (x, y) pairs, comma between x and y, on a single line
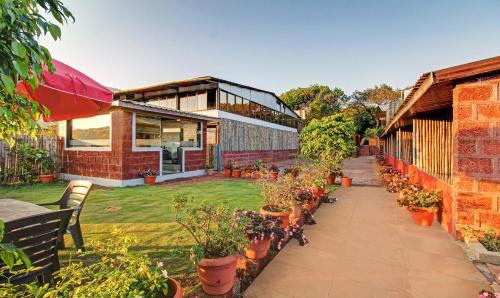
[(176, 128), (447, 134)]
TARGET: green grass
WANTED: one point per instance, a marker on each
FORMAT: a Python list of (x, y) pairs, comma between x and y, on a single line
[(147, 213)]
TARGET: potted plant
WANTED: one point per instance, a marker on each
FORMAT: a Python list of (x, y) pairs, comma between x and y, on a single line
[(149, 176), (346, 181), (292, 170), (47, 166), (219, 238), (273, 172), (236, 171), (256, 169), (247, 172), (306, 198), (228, 170), (279, 198), (260, 231), (423, 205), (333, 174), (210, 169)]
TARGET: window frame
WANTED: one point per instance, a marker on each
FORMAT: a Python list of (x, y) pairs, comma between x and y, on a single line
[(86, 148)]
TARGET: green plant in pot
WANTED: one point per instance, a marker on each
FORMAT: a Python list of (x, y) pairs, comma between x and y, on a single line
[(47, 166), (149, 176), (228, 170), (423, 205), (210, 169), (236, 171), (219, 238), (279, 197)]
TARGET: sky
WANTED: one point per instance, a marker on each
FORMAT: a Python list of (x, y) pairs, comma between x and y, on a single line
[(275, 45)]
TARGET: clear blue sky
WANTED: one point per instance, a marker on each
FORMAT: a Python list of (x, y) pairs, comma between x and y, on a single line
[(275, 45)]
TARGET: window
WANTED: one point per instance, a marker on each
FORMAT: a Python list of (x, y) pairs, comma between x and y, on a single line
[(89, 132), (147, 131), (202, 101), (223, 100), (183, 103), (171, 102), (192, 102), (246, 107), (190, 134), (230, 102), (211, 99), (238, 106)]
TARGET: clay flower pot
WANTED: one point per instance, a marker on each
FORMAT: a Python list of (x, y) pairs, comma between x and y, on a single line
[(346, 182), (217, 275), (150, 180), (285, 216), (296, 214), (422, 216), (247, 175), (318, 191), (387, 177), (210, 172), (174, 288), (227, 172), (273, 175), (47, 178), (330, 180), (256, 175), (257, 249), (236, 173)]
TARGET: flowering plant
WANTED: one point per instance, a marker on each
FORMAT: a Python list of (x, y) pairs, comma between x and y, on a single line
[(273, 169), (421, 199), (257, 165), (291, 170), (408, 190), (147, 172), (304, 195), (398, 182), (260, 227), (488, 294), (235, 166), (279, 195)]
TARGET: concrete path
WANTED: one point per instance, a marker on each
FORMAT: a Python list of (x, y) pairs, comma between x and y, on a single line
[(365, 245)]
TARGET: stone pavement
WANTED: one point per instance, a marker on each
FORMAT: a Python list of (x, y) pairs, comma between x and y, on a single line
[(365, 245)]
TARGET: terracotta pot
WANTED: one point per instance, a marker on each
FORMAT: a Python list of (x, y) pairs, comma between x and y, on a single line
[(330, 180), (217, 275), (47, 178), (247, 175), (387, 177), (273, 175), (285, 217), (346, 182), (296, 214), (257, 249), (257, 175), (210, 172), (150, 180), (318, 191), (227, 172), (236, 173), (422, 216), (174, 288)]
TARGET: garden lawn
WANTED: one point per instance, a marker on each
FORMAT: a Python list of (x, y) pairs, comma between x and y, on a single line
[(147, 213)]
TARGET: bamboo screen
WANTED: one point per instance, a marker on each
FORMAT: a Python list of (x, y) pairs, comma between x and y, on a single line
[(433, 147), (405, 142), (240, 136)]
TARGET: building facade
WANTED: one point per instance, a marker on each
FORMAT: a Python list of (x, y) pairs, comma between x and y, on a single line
[(446, 133), (176, 129)]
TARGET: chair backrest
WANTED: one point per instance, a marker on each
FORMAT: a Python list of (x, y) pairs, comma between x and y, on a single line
[(74, 196), (38, 236)]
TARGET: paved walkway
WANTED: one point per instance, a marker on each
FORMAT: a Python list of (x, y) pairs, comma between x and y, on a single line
[(365, 245)]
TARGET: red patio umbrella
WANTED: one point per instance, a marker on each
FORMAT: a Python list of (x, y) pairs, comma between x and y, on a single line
[(69, 94)]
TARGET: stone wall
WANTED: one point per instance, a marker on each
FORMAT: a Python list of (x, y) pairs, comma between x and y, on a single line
[(476, 167)]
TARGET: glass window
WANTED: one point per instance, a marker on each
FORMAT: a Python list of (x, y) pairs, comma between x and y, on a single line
[(183, 102), (191, 134), (246, 107), (89, 132), (147, 131), (202, 101), (223, 100), (238, 106), (192, 102), (211, 99), (230, 102)]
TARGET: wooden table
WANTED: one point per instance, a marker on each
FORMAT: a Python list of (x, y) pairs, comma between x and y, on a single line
[(11, 209)]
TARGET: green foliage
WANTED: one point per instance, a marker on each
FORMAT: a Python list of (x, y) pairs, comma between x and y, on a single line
[(491, 241), (31, 162), (381, 94), (421, 199), (108, 269), (363, 117), (10, 255), (216, 231), (21, 60), (373, 132), (330, 138), (278, 194), (320, 100)]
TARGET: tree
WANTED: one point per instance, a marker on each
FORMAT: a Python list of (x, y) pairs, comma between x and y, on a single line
[(22, 59), (329, 139), (320, 100)]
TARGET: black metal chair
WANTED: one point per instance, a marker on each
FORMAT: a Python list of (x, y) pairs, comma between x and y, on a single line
[(38, 236), (74, 197)]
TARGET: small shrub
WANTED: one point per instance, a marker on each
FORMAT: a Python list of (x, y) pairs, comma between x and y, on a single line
[(422, 199), (147, 172)]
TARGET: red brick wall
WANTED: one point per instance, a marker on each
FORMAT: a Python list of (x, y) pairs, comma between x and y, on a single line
[(197, 159), (476, 168), (248, 157), (445, 214)]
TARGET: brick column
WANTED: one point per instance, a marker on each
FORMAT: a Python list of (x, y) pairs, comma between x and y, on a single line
[(476, 146)]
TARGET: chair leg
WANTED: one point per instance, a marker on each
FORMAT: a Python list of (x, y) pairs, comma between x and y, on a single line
[(62, 245), (76, 234)]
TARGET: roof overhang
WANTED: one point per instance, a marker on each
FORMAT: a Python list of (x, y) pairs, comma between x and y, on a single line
[(160, 111), (434, 90)]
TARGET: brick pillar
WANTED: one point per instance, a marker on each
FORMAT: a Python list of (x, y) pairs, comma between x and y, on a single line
[(476, 164)]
